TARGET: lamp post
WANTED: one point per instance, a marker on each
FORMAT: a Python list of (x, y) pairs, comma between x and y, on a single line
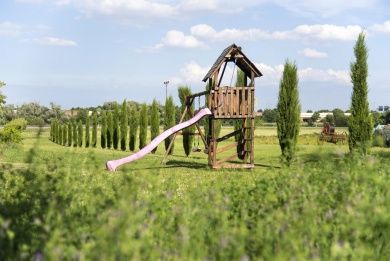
[(166, 90)]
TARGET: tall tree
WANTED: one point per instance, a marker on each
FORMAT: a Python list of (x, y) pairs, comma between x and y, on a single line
[(110, 129), (103, 130), (124, 125), (154, 122), (360, 122), (75, 136), (115, 127), (60, 134), (188, 133), (70, 134), (238, 124), (143, 125), (94, 129), (289, 110), (80, 133), (51, 129), (2, 99), (169, 121), (64, 134), (133, 128), (87, 132)]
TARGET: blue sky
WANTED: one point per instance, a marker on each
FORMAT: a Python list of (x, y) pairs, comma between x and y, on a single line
[(85, 52)]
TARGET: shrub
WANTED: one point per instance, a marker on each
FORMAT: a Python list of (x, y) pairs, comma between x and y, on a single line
[(188, 133), (12, 131), (360, 122), (124, 125), (143, 126), (103, 131), (154, 122), (94, 129), (169, 121), (378, 141), (288, 112), (133, 128)]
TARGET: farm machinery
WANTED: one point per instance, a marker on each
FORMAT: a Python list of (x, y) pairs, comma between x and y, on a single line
[(329, 134)]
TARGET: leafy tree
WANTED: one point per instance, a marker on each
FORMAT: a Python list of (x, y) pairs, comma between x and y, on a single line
[(103, 130), (59, 134), (52, 130), (94, 129), (70, 134), (2, 97), (87, 132), (288, 112), (110, 129), (188, 137), (74, 124), (80, 133), (329, 118), (315, 117), (133, 128), (386, 118), (169, 121), (154, 122), (115, 127), (360, 122), (143, 126), (124, 125), (270, 115)]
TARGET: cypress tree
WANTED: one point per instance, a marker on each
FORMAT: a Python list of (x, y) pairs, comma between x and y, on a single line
[(74, 124), (51, 129), (124, 125), (188, 133), (360, 122), (109, 129), (80, 133), (94, 129), (238, 124), (143, 125), (133, 128), (70, 134), (64, 134), (169, 121), (154, 122), (60, 134), (87, 132), (289, 110), (54, 135), (115, 127), (103, 130)]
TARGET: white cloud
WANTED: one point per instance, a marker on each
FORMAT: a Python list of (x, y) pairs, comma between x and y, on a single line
[(53, 41), (381, 28), (329, 75), (312, 53), (176, 39), (328, 32), (191, 73), (10, 29)]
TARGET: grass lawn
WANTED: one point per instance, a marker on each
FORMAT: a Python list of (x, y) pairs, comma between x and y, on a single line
[(61, 203)]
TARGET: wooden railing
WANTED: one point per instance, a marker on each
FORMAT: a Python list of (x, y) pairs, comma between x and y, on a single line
[(232, 102)]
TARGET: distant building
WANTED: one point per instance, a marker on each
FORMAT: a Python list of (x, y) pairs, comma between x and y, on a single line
[(306, 116), (383, 108)]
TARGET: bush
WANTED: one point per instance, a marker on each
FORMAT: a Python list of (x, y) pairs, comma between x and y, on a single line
[(12, 131), (378, 140)]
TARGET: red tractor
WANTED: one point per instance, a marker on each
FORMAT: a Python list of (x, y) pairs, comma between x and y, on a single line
[(329, 134)]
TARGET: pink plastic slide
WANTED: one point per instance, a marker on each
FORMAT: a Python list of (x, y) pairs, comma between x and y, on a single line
[(112, 165)]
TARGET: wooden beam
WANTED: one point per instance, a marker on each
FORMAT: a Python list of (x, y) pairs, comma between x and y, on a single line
[(219, 162), (227, 136), (234, 166), (223, 72), (227, 147)]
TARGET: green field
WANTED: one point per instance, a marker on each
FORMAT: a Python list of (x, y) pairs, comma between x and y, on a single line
[(61, 203)]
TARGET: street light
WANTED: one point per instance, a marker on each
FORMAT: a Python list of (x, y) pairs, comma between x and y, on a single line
[(166, 90)]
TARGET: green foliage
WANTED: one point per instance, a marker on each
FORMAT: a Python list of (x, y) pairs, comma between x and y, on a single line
[(87, 132), (143, 125), (386, 118), (12, 131), (378, 140), (2, 97), (133, 128), (103, 130), (60, 134), (154, 122), (94, 129), (169, 121), (377, 118), (64, 134), (340, 120), (238, 124), (115, 132), (75, 135), (80, 133), (270, 115), (52, 130), (124, 125), (110, 129), (188, 133), (70, 134), (360, 122), (289, 110)]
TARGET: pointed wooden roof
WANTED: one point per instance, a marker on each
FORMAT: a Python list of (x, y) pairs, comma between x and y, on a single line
[(234, 53)]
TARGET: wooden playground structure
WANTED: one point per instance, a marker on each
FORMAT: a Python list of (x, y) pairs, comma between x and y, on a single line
[(227, 102)]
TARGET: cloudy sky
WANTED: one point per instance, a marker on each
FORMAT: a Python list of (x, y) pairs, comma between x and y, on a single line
[(85, 52)]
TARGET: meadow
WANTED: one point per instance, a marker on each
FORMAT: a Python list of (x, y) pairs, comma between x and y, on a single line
[(60, 203)]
